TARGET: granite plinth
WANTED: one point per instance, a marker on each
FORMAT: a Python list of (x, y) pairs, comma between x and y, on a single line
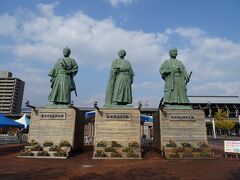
[(117, 134), (57, 124), (179, 126)]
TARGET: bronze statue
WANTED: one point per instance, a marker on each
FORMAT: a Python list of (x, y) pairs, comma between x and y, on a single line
[(119, 91), (176, 78), (62, 82)]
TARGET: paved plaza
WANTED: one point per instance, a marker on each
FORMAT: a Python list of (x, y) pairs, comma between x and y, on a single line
[(82, 166)]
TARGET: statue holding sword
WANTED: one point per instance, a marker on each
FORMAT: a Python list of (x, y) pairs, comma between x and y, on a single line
[(62, 82), (176, 78)]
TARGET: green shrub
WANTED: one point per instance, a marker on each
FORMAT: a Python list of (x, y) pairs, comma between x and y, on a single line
[(100, 153), (36, 148), (102, 144), (186, 144), (54, 148), (116, 144), (202, 144), (127, 149), (64, 144), (134, 144), (132, 154), (171, 143), (110, 149), (32, 143), (47, 143)]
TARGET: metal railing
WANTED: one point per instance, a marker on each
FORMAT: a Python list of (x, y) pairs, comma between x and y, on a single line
[(13, 139)]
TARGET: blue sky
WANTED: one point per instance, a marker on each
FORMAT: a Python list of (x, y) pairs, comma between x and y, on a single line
[(206, 33)]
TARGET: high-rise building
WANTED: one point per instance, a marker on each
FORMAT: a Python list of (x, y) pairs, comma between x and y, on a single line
[(11, 93)]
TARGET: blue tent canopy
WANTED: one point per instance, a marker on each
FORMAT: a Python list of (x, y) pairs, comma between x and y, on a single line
[(144, 118), (5, 122), (90, 114), (24, 121)]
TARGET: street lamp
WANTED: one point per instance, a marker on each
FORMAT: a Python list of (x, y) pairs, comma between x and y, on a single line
[(214, 130)]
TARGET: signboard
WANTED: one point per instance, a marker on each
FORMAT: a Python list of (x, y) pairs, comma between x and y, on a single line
[(52, 116), (117, 116), (232, 146), (179, 117)]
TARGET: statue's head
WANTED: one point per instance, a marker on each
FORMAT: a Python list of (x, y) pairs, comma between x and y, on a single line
[(66, 51), (173, 53), (122, 53)]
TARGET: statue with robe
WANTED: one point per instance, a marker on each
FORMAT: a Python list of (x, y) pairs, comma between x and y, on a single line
[(119, 90), (176, 78), (62, 83)]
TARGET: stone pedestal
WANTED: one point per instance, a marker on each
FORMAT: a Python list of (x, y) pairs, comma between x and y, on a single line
[(179, 126), (117, 134), (57, 124)]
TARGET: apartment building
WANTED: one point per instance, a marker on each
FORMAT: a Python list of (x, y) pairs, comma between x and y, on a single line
[(11, 93)]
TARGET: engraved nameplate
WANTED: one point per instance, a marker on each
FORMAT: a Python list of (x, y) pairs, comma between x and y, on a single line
[(117, 116), (181, 117), (178, 117), (53, 116)]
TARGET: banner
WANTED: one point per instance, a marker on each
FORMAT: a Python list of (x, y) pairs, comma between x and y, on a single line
[(232, 146)]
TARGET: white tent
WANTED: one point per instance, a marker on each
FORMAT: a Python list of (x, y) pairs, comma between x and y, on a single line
[(24, 120)]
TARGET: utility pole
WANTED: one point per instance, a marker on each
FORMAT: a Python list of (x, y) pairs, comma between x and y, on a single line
[(214, 130)]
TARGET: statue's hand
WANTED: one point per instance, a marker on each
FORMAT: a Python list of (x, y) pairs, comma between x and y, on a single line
[(116, 68), (68, 72), (167, 72), (187, 79)]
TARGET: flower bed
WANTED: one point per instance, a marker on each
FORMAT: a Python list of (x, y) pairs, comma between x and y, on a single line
[(48, 150), (187, 151), (116, 150)]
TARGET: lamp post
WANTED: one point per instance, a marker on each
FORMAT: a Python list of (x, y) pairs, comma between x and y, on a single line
[(213, 122), (214, 130)]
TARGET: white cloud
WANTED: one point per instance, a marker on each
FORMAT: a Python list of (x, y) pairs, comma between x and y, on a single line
[(190, 32), (217, 88), (40, 39), (37, 52), (47, 9), (97, 41), (147, 85), (115, 3), (8, 25)]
